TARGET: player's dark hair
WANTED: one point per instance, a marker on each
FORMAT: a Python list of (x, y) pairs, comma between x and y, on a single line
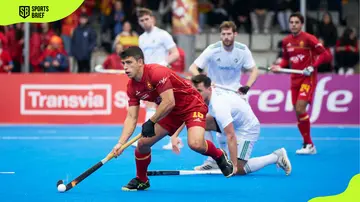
[(132, 51), (144, 11), (201, 78), (228, 25), (298, 15)]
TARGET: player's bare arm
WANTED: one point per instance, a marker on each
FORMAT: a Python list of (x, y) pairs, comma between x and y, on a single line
[(232, 143), (254, 73), (201, 61), (129, 127), (175, 141), (173, 55), (165, 107), (194, 69)]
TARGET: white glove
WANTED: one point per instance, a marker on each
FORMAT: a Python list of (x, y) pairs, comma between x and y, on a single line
[(308, 70)]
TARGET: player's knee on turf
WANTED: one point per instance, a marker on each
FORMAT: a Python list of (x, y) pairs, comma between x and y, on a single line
[(241, 167)]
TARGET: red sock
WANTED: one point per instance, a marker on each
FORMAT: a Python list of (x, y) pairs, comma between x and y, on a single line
[(304, 128), (142, 163), (212, 151)]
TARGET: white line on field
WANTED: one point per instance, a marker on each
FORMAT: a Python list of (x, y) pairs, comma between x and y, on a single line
[(7, 173), (116, 137)]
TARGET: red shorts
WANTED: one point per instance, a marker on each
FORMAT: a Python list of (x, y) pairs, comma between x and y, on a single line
[(194, 117), (305, 91)]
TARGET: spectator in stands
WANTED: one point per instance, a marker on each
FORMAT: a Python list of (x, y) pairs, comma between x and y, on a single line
[(10, 33), (262, 11), (35, 48), (165, 13), (127, 37), (88, 7), (327, 31), (241, 14), (105, 14), (83, 43), (6, 64), (54, 58), (347, 52), (132, 15), (154, 6), (10, 36), (68, 26), (113, 61), (204, 8), (119, 16), (284, 10), (219, 13), (106, 19), (18, 45), (313, 5), (326, 67), (47, 33), (3, 38)]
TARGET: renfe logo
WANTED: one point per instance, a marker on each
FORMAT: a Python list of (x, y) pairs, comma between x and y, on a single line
[(65, 99), (325, 100)]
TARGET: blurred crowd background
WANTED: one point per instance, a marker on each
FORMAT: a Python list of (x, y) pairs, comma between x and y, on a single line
[(99, 29)]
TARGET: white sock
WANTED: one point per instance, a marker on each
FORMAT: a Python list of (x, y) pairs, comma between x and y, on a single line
[(350, 71), (255, 164), (341, 71)]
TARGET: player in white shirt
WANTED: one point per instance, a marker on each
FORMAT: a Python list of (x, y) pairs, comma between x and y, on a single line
[(232, 114), (157, 44), (225, 60), (158, 47)]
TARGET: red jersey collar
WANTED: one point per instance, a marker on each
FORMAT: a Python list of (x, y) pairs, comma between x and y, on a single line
[(296, 36)]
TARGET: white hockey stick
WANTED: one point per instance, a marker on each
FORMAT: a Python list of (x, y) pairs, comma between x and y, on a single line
[(224, 88), (7, 173), (183, 172), (100, 69), (288, 71)]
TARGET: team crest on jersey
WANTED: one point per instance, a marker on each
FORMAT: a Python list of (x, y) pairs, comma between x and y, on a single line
[(149, 86), (301, 44)]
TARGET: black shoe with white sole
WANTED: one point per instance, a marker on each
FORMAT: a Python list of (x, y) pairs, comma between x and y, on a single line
[(225, 165)]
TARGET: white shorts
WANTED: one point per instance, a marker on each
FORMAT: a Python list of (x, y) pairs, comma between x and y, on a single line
[(245, 147)]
